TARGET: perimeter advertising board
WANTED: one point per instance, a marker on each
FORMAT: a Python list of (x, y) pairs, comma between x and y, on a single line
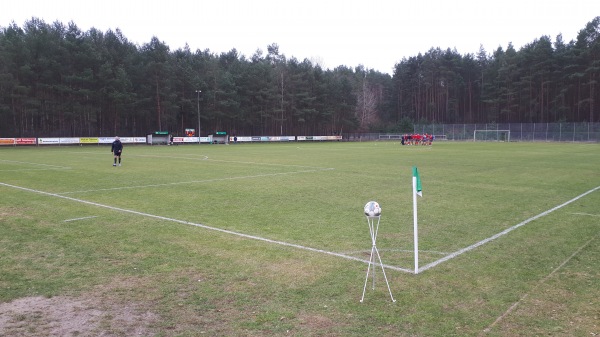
[(18, 141), (124, 140), (25, 141), (302, 138), (185, 139), (48, 141), (7, 141), (283, 138), (88, 140)]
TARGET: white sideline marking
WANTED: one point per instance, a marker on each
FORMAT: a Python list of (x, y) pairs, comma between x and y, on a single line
[(253, 237), (588, 214), (23, 170), (542, 281), (506, 231), (36, 164), (270, 164), (426, 267), (205, 157), (194, 181), (84, 218), (200, 157), (396, 250)]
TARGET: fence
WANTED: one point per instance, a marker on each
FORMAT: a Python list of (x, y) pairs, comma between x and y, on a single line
[(514, 132), (519, 132)]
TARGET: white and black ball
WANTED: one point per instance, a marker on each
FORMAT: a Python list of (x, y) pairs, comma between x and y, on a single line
[(372, 208)]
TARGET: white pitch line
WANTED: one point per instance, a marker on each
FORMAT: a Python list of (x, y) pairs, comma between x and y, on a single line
[(269, 164), (504, 232), (84, 218), (205, 157), (23, 170), (542, 281), (193, 181), (247, 236), (596, 215), (201, 157), (234, 161), (397, 250), (36, 164)]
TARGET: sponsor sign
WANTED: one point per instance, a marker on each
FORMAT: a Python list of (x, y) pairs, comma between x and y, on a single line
[(241, 139), (106, 140), (190, 139), (132, 140), (7, 141), (88, 140), (124, 140), (264, 139), (185, 139), (319, 137), (48, 141), (18, 141), (69, 140), (25, 141)]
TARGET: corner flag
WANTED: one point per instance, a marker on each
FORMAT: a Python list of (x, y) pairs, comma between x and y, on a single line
[(417, 185), (416, 182)]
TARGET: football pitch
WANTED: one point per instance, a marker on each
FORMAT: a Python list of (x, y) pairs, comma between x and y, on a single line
[(271, 239)]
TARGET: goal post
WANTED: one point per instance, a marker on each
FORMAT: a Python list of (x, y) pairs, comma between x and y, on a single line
[(491, 136)]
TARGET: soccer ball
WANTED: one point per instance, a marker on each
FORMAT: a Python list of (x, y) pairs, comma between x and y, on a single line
[(372, 208)]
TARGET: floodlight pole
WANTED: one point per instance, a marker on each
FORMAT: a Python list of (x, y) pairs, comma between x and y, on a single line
[(198, 100)]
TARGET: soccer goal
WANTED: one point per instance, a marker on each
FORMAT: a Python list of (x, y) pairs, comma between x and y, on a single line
[(491, 136)]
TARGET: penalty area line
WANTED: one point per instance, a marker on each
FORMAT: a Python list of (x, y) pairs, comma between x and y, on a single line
[(542, 281), (159, 217), (195, 181), (587, 214), (504, 232), (83, 218)]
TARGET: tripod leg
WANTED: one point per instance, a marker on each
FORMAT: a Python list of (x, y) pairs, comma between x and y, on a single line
[(367, 277), (384, 276)]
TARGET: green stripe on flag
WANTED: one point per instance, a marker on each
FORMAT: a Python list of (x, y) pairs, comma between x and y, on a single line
[(418, 189)]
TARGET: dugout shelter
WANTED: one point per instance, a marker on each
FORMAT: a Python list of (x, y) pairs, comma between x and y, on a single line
[(158, 138)]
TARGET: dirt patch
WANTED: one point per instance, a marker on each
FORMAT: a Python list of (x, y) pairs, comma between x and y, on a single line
[(10, 212), (65, 316), (316, 323)]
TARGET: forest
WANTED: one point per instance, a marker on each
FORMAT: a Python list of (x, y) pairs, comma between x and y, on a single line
[(59, 81)]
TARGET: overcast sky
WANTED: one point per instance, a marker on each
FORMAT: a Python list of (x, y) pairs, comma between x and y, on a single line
[(376, 34)]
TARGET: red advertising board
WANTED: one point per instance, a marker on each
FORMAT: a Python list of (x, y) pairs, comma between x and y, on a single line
[(25, 141)]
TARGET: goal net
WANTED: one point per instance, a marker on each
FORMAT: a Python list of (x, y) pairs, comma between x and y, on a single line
[(491, 136)]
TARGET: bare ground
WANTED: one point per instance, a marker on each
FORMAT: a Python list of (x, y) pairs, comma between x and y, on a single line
[(65, 316)]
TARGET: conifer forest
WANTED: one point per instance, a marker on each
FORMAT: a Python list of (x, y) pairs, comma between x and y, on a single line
[(59, 81)]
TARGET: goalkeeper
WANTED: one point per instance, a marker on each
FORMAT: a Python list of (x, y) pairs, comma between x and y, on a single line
[(117, 149)]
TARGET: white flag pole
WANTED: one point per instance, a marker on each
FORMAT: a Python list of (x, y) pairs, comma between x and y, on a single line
[(416, 236)]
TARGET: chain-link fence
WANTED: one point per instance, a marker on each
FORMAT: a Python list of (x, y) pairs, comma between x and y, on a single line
[(513, 132)]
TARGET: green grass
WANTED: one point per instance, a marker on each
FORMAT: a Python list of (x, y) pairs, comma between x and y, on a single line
[(203, 282)]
